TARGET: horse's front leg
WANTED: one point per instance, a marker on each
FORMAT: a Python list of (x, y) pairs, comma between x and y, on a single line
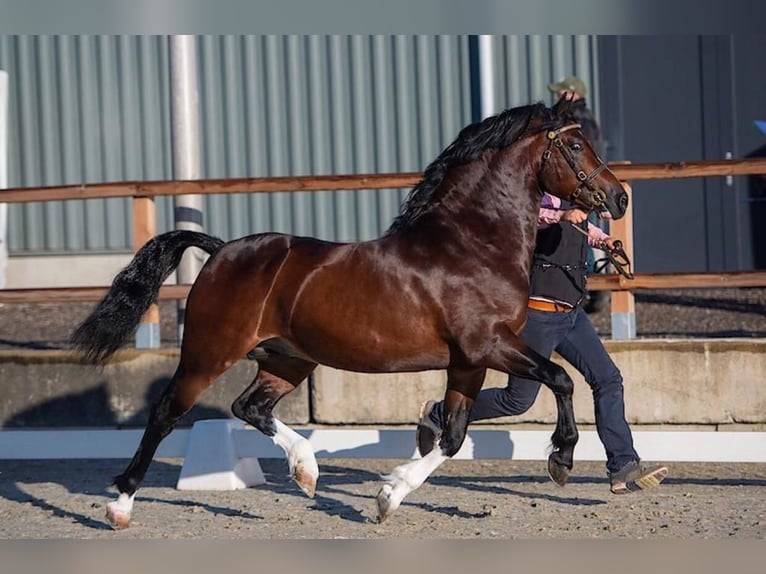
[(406, 478), (514, 357), (462, 388)]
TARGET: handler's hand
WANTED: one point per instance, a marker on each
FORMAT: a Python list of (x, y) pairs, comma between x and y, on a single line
[(608, 243), (574, 216)]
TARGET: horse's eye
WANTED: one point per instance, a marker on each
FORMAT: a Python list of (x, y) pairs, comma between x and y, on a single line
[(576, 146)]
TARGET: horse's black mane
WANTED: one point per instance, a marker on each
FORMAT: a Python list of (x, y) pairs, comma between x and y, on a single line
[(494, 132)]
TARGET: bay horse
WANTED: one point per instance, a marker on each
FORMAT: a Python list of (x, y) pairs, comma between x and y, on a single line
[(445, 287)]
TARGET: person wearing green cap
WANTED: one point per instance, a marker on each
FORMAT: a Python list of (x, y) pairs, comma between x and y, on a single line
[(576, 89), (557, 320)]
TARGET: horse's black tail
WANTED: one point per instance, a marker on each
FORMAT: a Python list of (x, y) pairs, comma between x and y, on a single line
[(133, 291)]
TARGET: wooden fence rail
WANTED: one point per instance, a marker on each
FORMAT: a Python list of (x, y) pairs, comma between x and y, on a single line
[(626, 172), (605, 282), (145, 224)]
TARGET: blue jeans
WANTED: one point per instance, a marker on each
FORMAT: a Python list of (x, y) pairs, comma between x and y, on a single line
[(572, 336)]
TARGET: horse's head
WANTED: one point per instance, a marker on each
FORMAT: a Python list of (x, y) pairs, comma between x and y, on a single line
[(571, 170)]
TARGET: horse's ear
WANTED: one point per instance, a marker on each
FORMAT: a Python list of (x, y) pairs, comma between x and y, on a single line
[(561, 108)]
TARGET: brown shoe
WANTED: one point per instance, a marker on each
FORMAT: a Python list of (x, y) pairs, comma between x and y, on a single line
[(634, 477)]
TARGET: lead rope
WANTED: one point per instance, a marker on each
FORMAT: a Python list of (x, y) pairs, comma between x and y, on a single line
[(616, 256)]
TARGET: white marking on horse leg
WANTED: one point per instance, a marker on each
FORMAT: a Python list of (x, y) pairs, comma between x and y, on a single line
[(300, 457), (118, 511), (404, 479)]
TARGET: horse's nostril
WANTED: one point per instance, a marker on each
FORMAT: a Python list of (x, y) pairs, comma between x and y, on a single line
[(623, 201)]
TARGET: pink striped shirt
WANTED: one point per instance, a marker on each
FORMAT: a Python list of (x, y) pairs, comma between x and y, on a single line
[(551, 212)]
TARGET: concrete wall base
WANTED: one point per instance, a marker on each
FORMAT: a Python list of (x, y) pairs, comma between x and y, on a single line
[(54, 389), (706, 381), (666, 382)]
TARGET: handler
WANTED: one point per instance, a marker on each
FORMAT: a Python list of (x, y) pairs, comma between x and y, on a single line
[(557, 321)]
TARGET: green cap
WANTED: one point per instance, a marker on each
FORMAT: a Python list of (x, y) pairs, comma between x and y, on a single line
[(571, 84)]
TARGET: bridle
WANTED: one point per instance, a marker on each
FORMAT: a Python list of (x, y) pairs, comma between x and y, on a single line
[(593, 197)]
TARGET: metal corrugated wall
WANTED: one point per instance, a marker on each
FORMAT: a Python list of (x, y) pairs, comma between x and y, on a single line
[(297, 105), (525, 65), (97, 108), (83, 109)]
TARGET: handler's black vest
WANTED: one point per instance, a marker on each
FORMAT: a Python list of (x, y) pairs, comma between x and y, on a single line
[(559, 263)]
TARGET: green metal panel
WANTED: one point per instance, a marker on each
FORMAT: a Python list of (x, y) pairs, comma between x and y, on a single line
[(88, 109), (83, 109), (525, 65), (298, 105)]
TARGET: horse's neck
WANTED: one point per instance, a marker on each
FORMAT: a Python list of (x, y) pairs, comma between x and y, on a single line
[(502, 210), (486, 209), (500, 241)]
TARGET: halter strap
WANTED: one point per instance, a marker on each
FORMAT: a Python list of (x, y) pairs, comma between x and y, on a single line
[(593, 196), (553, 133)]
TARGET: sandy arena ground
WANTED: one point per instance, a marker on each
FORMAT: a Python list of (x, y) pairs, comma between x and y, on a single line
[(65, 499)]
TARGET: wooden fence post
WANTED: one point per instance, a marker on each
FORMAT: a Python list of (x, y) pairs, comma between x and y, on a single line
[(623, 302), (144, 228)]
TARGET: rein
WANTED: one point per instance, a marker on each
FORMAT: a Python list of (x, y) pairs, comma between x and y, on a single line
[(616, 256), (592, 196)]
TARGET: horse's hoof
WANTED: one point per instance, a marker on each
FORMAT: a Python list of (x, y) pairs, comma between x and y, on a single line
[(306, 481), (558, 472), (119, 519), (385, 508)]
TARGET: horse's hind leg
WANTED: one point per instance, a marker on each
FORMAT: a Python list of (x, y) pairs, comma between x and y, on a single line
[(179, 396), (462, 388), (277, 376)]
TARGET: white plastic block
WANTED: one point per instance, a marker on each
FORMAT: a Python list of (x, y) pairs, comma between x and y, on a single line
[(212, 461)]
